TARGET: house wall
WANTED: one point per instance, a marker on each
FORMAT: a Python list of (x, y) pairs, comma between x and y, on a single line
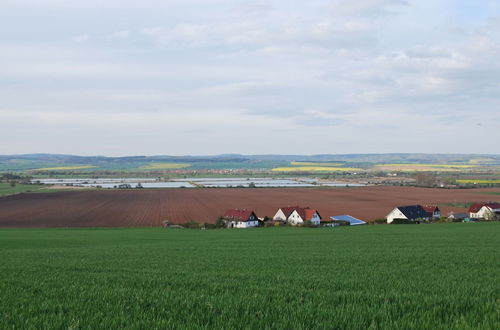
[(316, 219), (245, 224), (295, 218), (279, 216), (484, 213), (395, 214)]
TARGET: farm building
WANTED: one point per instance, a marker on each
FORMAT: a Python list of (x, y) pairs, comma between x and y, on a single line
[(241, 218), (408, 213), (433, 211), (487, 211), (458, 216), (349, 219), (296, 215)]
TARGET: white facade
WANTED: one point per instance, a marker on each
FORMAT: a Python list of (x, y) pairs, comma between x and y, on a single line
[(395, 214), (244, 224), (484, 212), (436, 214), (279, 216), (296, 219)]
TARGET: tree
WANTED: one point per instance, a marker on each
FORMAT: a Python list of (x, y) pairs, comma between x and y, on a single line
[(251, 185), (425, 179), (13, 183)]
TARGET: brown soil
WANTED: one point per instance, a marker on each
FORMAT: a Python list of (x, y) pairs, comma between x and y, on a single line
[(149, 207)]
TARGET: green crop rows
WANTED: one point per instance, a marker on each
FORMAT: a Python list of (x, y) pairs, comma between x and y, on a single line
[(435, 276)]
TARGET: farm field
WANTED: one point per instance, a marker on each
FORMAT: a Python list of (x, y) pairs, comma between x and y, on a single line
[(439, 276), (150, 207)]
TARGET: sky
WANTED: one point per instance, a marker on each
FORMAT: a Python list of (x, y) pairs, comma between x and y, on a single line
[(205, 77)]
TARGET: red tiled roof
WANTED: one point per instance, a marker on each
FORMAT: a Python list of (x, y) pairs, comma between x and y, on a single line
[(476, 207), (430, 208), (287, 210), (240, 215)]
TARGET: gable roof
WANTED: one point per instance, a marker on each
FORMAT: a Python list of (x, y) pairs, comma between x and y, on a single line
[(239, 215), (430, 208), (474, 208), (413, 211), (287, 210), (306, 213), (352, 220)]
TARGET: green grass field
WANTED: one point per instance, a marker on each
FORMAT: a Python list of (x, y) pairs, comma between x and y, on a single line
[(7, 189), (437, 276)]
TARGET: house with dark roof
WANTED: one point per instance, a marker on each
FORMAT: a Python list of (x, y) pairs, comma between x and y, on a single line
[(433, 211), (486, 211), (243, 218), (458, 216), (296, 215), (409, 213)]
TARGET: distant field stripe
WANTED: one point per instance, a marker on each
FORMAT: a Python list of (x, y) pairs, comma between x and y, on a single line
[(316, 164), (315, 169), (62, 168), (480, 181), (428, 165), (164, 166)]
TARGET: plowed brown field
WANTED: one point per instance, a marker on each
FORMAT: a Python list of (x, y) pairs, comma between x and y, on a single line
[(149, 207)]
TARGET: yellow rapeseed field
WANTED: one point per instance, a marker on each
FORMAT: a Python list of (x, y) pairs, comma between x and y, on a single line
[(62, 168), (478, 181), (315, 164), (164, 166)]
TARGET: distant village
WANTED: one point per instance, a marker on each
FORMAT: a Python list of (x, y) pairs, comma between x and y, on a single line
[(309, 217)]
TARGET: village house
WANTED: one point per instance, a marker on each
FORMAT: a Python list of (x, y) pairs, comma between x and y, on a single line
[(433, 211), (457, 216), (296, 215), (486, 211), (409, 213), (237, 218)]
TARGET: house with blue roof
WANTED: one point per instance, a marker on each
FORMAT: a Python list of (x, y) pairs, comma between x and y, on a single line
[(408, 213)]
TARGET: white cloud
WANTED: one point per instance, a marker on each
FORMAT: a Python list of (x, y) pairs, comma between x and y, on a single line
[(124, 34), (348, 75), (81, 38)]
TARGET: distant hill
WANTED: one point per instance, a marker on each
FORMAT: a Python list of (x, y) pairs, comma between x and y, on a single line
[(235, 161)]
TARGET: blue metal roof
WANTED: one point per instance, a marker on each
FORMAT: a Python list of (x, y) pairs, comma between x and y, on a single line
[(352, 220)]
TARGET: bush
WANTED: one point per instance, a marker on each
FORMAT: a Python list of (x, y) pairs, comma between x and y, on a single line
[(404, 222), (309, 224), (379, 221), (220, 223), (192, 225)]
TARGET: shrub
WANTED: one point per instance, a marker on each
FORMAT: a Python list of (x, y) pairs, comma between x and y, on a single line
[(220, 223), (405, 222), (379, 221), (192, 225)]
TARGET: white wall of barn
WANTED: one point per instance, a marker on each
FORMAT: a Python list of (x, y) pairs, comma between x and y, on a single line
[(395, 214), (279, 216)]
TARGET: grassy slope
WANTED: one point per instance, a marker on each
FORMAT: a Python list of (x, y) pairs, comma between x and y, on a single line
[(7, 189), (425, 276)]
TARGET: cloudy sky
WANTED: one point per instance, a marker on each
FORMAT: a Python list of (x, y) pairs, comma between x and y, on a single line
[(123, 77)]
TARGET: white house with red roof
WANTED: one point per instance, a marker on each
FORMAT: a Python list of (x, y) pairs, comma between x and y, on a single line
[(296, 215), (433, 211), (241, 218), (487, 211)]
